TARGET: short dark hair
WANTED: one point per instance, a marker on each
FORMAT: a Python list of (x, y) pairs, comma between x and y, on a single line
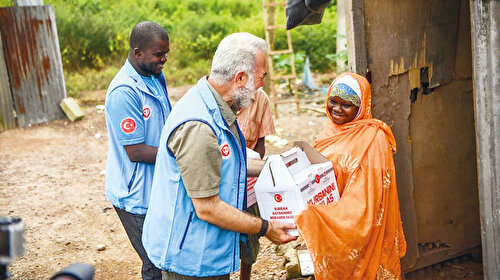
[(145, 32)]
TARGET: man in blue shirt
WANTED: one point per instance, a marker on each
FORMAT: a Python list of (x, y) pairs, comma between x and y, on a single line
[(137, 107)]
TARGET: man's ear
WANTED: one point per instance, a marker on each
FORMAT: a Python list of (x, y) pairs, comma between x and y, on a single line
[(137, 52), (240, 79)]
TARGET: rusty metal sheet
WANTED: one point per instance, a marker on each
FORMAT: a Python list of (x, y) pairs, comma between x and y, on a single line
[(7, 118), (31, 49)]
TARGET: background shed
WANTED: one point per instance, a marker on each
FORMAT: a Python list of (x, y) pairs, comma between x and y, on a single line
[(32, 79), (420, 58)]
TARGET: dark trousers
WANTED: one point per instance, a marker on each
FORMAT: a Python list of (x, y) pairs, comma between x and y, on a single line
[(133, 226)]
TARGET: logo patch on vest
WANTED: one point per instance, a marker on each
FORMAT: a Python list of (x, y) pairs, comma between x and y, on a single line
[(225, 150), (146, 112), (128, 125)]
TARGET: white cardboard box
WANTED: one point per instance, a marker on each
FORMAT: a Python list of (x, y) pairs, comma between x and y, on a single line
[(290, 181)]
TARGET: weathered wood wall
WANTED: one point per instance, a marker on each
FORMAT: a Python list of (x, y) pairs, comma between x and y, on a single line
[(33, 59), (418, 55)]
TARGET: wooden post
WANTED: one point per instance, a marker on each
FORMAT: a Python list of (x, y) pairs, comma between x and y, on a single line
[(485, 18), (356, 41), (341, 39)]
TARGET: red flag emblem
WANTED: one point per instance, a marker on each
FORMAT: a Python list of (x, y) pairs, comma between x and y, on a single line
[(146, 112), (128, 125)]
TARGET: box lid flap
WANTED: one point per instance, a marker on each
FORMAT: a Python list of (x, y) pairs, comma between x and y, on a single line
[(313, 155)]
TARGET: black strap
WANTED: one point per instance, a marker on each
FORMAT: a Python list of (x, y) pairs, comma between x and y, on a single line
[(263, 228)]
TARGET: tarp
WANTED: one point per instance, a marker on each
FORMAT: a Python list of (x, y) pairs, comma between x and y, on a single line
[(304, 12)]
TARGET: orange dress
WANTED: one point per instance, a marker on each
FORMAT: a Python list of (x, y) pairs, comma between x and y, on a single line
[(360, 236)]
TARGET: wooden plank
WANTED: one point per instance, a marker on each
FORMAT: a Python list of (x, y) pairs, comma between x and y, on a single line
[(272, 27), (33, 62), (280, 52), (7, 118), (486, 65)]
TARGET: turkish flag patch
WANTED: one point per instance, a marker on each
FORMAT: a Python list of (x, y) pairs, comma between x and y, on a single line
[(128, 125)]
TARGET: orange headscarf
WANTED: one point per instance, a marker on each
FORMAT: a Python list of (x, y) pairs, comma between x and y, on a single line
[(360, 236)]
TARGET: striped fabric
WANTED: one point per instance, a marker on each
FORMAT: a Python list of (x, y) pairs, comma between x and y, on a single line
[(256, 121)]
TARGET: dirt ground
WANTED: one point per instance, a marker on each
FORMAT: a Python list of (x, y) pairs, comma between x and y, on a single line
[(52, 176)]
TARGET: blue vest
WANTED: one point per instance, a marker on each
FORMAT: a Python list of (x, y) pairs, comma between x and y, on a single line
[(128, 184), (174, 237)]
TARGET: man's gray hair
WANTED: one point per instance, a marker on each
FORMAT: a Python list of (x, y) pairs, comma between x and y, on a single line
[(236, 52)]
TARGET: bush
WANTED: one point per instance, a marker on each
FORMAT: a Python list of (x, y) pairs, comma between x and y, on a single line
[(93, 34), (89, 79)]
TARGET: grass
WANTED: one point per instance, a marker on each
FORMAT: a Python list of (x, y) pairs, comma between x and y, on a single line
[(88, 79)]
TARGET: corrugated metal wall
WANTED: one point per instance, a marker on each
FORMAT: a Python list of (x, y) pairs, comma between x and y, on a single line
[(33, 59), (7, 117)]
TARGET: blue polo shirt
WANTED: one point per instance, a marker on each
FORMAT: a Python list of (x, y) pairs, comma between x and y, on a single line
[(136, 110)]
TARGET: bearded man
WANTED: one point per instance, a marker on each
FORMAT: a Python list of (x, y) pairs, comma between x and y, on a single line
[(193, 224)]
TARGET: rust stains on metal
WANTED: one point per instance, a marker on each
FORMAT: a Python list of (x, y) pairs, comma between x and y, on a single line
[(33, 62), (46, 65), (20, 105), (24, 45), (6, 27)]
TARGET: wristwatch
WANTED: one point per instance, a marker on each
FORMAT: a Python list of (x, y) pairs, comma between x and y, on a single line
[(263, 228)]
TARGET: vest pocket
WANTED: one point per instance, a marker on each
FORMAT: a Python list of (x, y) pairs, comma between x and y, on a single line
[(186, 230), (132, 178)]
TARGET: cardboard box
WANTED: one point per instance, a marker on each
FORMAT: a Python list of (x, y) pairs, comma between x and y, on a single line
[(290, 181)]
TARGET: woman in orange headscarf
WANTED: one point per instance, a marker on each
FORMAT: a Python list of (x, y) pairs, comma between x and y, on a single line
[(361, 235)]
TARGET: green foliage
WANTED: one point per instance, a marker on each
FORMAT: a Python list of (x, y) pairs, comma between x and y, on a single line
[(341, 56), (283, 65), (89, 79), (93, 35), (318, 41), (87, 37)]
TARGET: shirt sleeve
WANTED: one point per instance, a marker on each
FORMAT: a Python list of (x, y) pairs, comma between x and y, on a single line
[(267, 124), (198, 157), (124, 110)]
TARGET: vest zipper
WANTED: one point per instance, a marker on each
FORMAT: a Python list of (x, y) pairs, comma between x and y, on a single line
[(186, 230)]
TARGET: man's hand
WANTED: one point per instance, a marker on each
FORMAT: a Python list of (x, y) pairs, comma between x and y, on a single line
[(276, 232), (215, 211)]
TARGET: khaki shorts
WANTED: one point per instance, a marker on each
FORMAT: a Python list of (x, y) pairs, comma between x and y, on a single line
[(248, 254)]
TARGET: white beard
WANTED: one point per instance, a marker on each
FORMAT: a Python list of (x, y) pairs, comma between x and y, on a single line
[(242, 97)]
